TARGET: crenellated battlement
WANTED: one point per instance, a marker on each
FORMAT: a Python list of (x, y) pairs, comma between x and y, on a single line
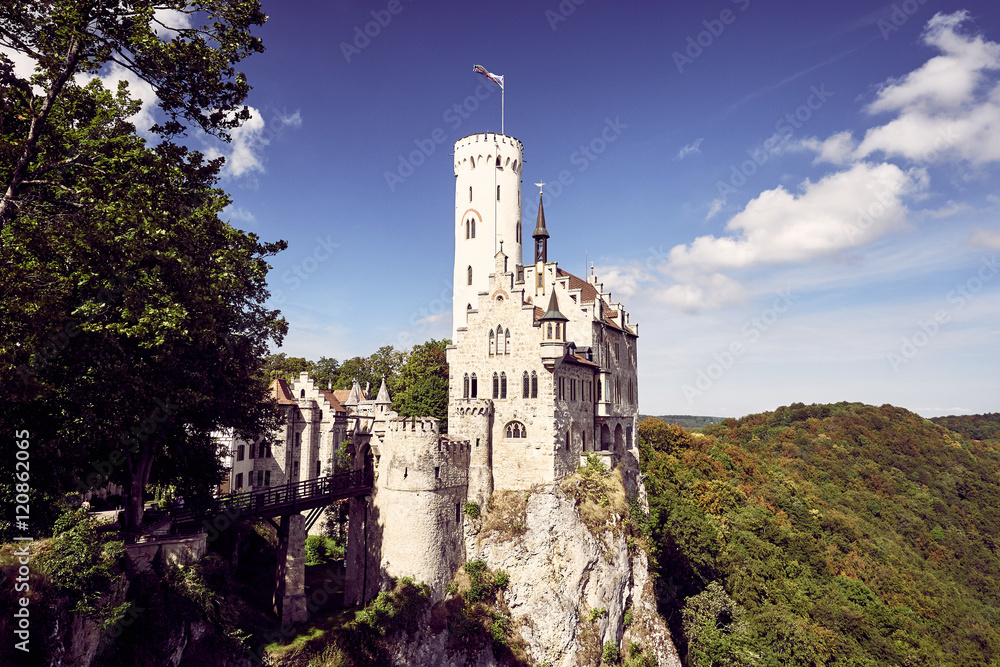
[(425, 425)]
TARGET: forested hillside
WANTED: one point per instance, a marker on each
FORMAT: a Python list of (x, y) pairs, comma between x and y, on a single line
[(840, 534), (974, 427)]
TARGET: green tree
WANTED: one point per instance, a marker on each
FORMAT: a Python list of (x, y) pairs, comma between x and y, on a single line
[(135, 318), (282, 367), (422, 385), (192, 73), (325, 372)]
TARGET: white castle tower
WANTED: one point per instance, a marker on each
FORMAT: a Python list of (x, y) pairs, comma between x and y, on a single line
[(487, 212)]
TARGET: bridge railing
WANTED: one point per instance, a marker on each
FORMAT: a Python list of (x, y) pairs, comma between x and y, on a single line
[(260, 501)]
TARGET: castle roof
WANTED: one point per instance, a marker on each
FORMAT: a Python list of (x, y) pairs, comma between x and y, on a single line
[(355, 396), (553, 314), (588, 293), (331, 398), (581, 359), (540, 231), (282, 393), (383, 395)]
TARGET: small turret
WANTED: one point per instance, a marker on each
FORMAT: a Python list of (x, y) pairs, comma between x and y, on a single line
[(541, 234), (553, 326)]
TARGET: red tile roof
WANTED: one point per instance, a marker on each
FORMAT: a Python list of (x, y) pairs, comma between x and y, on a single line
[(281, 392), (341, 394), (580, 358), (588, 293), (331, 398)]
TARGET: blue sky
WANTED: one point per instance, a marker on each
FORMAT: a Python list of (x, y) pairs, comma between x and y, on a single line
[(798, 200)]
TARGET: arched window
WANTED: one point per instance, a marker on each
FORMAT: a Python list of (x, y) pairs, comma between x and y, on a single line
[(473, 227), (470, 274), (524, 385), (493, 342), (302, 393), (549, 330), (467, 230), (503, 385), (534, 384), (499, 339), (496, 386), (465, 386), (473, 386), (598, 390), (498, 160), (515, 430), (506, 341), (558, 335)]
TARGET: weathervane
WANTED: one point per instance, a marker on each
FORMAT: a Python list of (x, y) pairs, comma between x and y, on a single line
[(539, 185)]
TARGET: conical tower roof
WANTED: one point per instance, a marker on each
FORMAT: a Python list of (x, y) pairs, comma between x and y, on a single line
[(552, 314), (540, 231), (383, 395), (355, 396)]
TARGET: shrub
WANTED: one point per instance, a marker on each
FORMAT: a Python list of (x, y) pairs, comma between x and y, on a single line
[(597, 614), (321, 549), (471, 509), (501, 579), (611, 655)]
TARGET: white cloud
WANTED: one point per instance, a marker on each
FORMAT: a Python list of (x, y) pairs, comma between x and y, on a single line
[(701, 292), (239, 213), (714, 208), (244, 154), (840, 210), (948, 108), (24, 65), (166, 22), (690, 149), (836, 149), (430, 319), (283, 120), (987, 238)]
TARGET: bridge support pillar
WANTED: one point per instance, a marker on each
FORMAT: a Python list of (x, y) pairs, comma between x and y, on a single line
[(290, 583)]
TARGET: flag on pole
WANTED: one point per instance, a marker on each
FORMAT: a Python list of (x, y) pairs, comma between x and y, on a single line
[(492, 77)]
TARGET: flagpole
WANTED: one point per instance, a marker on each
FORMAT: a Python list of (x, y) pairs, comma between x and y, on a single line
[(501, 111)]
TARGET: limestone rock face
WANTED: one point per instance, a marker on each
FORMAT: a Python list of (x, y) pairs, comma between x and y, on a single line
[(562, 575)]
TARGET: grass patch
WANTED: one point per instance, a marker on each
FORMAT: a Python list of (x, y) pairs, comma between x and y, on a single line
[(506, 515), (599, 495)]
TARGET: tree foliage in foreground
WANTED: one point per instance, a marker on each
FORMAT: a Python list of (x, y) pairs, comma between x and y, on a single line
[(839, 534), (134, 317)]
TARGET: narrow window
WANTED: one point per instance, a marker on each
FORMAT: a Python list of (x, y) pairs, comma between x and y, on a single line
[(493, 342), (499, 334), (524, 385), (267, 478), (475, 386), (470, 274), (239, 453), (498, 160), (437, 472), (534, 384), (239, 481), (506, 341), (496, 386), (458, 512), (517, 233), (261, 450), (503, 385), (467, 225), (498, 193), (295, 470), (558, 335), (550, 331), (465, 386), (251, 448), (473, 221), (583, 437), (317, 469), (567, 441), (470, 187)]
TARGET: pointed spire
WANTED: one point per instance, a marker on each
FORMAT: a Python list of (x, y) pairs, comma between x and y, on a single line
[(541, 234), (355, 396), (383, 395), (552, 314)]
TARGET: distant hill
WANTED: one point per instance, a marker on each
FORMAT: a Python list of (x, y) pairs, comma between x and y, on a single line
[(975, 427), (842, 534), (687, 421)]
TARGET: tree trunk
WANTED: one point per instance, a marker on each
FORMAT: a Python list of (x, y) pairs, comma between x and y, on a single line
[(134, 503)]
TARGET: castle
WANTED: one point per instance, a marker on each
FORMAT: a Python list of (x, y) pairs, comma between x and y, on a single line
[(542, 372)]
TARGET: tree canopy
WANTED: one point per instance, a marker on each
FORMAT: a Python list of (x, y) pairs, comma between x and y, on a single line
[(135, 317), (841, 534)]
